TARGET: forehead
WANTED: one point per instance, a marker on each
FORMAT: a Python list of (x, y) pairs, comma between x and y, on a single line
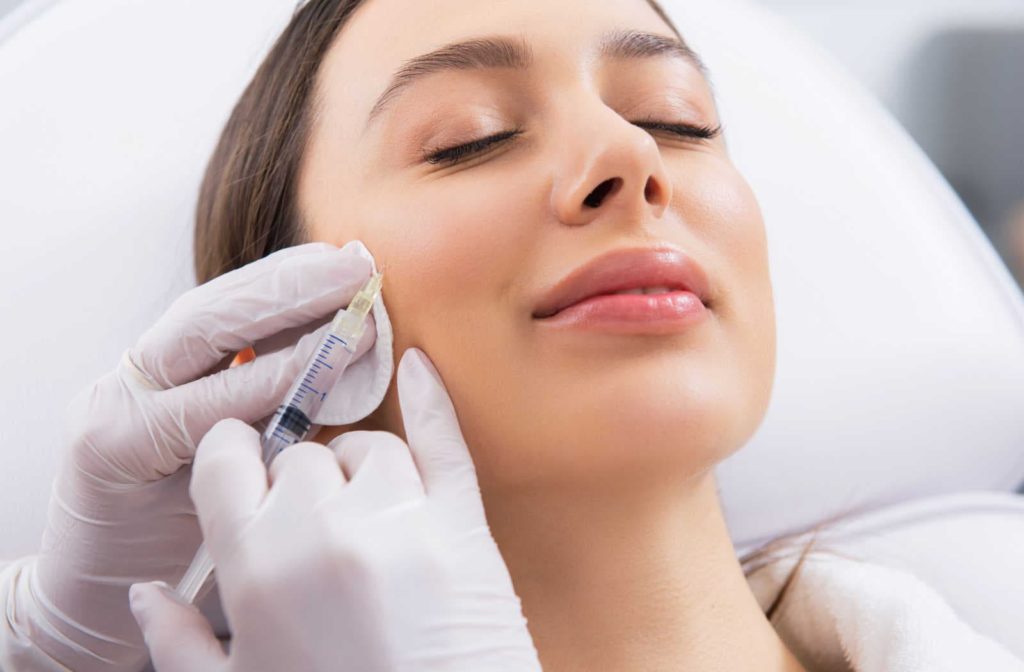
[(383, 34)]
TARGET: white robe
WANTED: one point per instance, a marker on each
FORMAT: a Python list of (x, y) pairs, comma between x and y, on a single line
[(845, 614)]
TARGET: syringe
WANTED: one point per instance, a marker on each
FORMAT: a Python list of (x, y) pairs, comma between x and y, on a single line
[(292, 420)]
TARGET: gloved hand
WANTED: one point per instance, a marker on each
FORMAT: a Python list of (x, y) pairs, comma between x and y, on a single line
[(386, 563), (120, 510)]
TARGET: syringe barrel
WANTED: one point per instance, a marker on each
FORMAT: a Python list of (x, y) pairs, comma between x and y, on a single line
[(292, 420), (287, 427)]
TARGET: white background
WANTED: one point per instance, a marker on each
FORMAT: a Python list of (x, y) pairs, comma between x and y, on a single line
[(8, 5)]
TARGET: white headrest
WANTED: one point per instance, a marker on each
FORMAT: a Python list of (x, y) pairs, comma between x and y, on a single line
[(901, 333), (901, 336)]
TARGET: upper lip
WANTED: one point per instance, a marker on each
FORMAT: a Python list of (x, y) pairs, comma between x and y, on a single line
[(624, 269)]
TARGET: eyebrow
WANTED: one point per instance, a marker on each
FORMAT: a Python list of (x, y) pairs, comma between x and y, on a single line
[(515, 53)]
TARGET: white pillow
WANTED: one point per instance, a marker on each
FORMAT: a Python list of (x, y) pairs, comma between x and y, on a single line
[(901, 333), (901, 336)]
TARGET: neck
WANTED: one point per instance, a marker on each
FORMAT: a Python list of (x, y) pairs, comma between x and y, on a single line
[(644, 578)]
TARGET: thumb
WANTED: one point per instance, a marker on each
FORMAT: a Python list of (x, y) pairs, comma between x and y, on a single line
[(435, 438), (179, 638)]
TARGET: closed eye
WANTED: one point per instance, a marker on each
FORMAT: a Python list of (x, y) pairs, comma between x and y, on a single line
[(453, 155), (458, 153), (703, 132)]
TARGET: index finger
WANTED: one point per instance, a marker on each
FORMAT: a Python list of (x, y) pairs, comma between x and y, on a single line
[(289, 288), (229, 483)]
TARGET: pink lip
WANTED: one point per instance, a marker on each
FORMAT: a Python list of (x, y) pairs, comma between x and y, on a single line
[(585, 297), (630, 313)]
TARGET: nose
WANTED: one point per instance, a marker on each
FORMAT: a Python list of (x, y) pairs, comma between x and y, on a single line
[(608, 164)]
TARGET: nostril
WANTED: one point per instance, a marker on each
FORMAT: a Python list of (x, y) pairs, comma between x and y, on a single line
[(651, 190), (602, 191)]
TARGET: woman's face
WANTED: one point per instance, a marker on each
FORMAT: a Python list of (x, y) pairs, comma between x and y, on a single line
[(470, 248)]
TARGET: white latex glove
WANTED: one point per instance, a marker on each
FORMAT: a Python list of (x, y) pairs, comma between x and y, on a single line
[(120, 510), (386, 563)]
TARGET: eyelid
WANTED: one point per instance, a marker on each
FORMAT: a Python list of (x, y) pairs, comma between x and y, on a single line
[(460, 152), (466, 149), (695, 130)]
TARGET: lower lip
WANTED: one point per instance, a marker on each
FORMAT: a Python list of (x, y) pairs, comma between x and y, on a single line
[(632, 313)]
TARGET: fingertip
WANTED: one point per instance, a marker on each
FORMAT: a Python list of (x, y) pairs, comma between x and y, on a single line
[(306, 455), (136, 598), (305, 248), (145, 593), (418, 378), (361, 451), (351, 448), (143, 598), (232, 426), (411, 357), (355, 253), (177, 635), (229, 436), (415, 363), (228, 431), (357, 248), (354, 435), (432, 427)]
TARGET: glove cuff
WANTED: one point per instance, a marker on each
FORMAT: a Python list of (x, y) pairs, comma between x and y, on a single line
[(35, 636)]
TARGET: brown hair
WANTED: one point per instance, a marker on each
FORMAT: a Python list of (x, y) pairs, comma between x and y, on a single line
[(248, 205)]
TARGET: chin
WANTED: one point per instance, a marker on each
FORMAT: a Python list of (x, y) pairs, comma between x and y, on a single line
[(676, 433)]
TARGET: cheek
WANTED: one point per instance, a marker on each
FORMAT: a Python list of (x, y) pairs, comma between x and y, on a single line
[(444, 258), (733, 226), (451, 258), (722, 208)]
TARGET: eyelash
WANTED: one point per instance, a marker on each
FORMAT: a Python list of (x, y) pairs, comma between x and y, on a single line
[(454, 155)]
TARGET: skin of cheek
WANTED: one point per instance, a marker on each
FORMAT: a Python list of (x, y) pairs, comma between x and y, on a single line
[(739, 243), (450, 257), (534, 415)]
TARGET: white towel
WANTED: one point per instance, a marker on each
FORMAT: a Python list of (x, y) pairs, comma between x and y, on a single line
[(845, 614)]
